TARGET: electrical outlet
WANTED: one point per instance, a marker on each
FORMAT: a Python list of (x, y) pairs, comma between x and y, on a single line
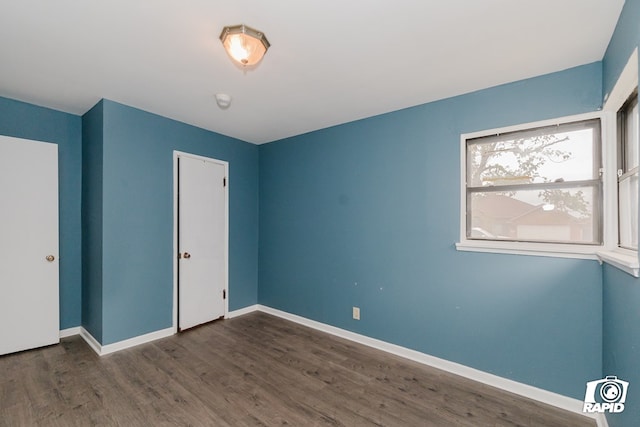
[(356, 313)]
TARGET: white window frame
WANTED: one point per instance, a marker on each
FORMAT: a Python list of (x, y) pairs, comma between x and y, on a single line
[(563, 250), (624, 173), (624, 259)]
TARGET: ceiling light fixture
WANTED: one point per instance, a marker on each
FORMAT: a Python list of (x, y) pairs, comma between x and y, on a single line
[(244, 44)]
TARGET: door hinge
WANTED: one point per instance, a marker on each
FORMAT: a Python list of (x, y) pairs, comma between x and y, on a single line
[(224, 294), (224, 181)]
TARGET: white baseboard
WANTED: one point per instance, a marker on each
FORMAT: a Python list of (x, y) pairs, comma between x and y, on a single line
[(241, 311), (69, 332), (601, 420), (141, 339), (121, 345), (89, 339), (544, 396)]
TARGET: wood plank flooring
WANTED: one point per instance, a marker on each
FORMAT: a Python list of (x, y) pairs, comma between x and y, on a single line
[(254, 370)]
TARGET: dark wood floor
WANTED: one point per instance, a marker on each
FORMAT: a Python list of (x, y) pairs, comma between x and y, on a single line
[(252, 370)]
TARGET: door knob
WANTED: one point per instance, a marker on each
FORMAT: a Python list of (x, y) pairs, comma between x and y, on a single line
[(50, 258), (186, 255)]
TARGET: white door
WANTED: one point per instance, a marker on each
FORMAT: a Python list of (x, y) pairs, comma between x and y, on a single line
[(29, 306), (202, 240)]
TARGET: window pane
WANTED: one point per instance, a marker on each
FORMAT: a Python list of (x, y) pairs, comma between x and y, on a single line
[(551, 154), (558, 215), (628, 201), (631, 138)]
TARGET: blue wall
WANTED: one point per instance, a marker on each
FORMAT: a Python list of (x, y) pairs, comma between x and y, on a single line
[(116, 207), (92, 160), (621, 339), (22, 120), (137, 217), (621, 292), (624, 39), (367, 213)]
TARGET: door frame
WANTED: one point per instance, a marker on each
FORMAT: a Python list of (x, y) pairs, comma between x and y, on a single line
[(176, 156)]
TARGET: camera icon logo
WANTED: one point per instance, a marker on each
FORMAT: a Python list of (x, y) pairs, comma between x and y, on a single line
[(606, 395)]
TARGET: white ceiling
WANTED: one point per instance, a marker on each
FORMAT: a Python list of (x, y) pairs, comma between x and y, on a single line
[(330, 61)]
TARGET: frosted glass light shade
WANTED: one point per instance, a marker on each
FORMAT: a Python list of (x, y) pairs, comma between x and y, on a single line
[(244, 44)]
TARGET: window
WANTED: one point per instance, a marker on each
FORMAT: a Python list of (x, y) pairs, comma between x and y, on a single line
[(536, 185), (566, 187), (628, 173)]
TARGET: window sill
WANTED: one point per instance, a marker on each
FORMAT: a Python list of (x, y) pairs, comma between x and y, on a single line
[(554, 250), (626, 261)]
